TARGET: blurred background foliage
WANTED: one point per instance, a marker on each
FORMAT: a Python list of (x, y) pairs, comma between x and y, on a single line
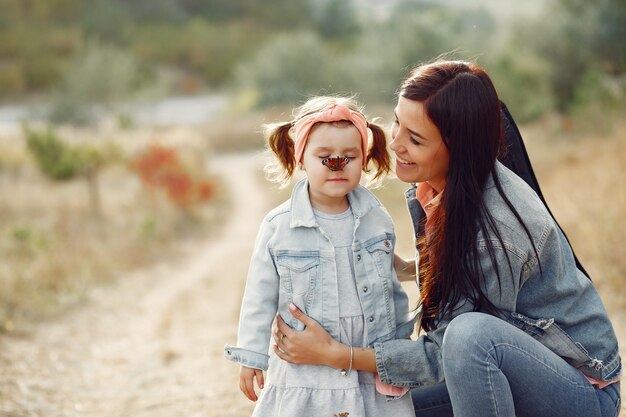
[(91, 173), (545, 56)]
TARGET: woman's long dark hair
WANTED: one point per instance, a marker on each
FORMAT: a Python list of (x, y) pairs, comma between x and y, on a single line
[(462, 102)]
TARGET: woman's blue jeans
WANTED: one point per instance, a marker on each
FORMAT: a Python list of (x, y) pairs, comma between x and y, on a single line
[(494, 369)]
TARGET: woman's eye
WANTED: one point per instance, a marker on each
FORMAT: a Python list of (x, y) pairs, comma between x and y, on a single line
[(323, 156), (414, 141)]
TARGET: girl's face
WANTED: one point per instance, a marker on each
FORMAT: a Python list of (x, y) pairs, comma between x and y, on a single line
[(328, 189), (421, 155)]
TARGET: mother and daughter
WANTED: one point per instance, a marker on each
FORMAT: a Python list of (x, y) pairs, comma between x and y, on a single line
[(508, 325)]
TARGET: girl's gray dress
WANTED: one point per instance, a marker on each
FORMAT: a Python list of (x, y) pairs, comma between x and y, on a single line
[(319, 391)]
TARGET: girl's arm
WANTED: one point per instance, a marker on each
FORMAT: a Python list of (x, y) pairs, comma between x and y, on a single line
[(315, 346), (404, 269), (259, 306)]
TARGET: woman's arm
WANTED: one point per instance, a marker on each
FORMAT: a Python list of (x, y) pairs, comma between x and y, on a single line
[(405, 270), (314, 346), (401, 362)]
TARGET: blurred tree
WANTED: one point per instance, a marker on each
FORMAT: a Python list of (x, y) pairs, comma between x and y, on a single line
[(287, 69), (281, 14), (336, 19), (35, 39), (423, 33), (277, 14), (610, 35), (520, 79), (290, 68), (12, 81), (60, 161), (11, 12), (52, 11), (211, 49), (215, 10), (168, 11), (564, 43), (579, 37), (99, 75), (97, 19)]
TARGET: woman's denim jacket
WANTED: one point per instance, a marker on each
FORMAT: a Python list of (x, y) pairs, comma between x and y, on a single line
[(294, 262), (547, 297)]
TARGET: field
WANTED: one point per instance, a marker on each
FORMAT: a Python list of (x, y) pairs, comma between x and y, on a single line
[(127, 316)]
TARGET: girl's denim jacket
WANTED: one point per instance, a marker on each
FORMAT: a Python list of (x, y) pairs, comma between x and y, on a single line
[(294, 262), (545, 296)]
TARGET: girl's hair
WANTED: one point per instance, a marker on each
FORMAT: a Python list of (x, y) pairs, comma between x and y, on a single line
[(280, 142), (462, 102)]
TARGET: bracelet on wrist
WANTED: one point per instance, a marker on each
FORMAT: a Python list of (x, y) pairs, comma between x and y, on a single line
[(345, 372)]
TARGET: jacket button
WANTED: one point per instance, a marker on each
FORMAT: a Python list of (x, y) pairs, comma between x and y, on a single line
[(365, 289), (371, 319), (358, 257), (387, 243)]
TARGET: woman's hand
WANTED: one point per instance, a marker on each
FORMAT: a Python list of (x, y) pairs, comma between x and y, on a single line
[(405, 270), (246, 381), (312, 346)]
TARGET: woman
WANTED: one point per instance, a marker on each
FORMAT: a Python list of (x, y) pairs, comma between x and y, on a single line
[(512, 326)]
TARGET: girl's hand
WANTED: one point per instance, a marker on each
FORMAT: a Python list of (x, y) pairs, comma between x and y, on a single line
[(246, 381), (312, 346)]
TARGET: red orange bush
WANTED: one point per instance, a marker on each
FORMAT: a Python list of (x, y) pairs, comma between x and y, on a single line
[(161, 168)]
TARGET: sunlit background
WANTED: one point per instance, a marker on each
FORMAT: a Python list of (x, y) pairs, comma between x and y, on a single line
[(131, 186)]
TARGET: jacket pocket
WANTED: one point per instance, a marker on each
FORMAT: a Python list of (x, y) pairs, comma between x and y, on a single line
[(298, 275), (554, 338), (382, 256)]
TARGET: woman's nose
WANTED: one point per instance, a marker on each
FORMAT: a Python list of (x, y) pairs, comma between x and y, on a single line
[(395, 143)]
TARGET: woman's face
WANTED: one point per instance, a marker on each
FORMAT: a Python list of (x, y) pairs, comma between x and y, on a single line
[(421, 155)]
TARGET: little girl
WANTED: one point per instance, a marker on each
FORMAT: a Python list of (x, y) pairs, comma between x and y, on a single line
[(328, 251)]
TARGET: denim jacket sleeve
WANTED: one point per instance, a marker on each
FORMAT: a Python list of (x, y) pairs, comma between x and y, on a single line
[(405, 321), (259, 306), (413, 363)]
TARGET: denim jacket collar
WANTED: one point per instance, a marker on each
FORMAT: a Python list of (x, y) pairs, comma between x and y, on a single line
[(361, 201)]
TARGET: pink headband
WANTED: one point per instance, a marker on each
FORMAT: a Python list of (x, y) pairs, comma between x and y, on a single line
[(332, 113)]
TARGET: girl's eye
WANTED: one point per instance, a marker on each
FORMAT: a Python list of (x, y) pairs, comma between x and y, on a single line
[(395, 121), (329, 156), (414, 141)]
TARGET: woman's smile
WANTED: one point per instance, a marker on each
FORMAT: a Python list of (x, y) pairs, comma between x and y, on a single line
[(401, 161)]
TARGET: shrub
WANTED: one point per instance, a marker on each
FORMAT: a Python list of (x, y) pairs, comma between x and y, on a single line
[(61, 161), (161, 168), (54, 158)]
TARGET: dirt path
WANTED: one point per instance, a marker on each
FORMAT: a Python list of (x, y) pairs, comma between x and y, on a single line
[(152, 345)]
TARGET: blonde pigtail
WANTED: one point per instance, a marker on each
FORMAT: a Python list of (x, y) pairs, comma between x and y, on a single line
[(282, 146), (378, 151)]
